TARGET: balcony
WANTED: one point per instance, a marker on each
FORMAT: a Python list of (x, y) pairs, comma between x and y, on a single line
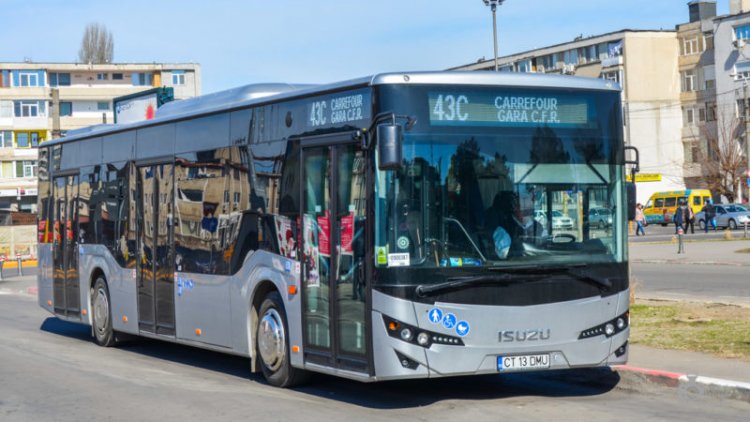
[(613, 61), (30, 123), (83, 92)]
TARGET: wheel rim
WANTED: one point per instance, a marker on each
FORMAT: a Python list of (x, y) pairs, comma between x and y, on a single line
[(101, 312), (271, 340), (732, 224)]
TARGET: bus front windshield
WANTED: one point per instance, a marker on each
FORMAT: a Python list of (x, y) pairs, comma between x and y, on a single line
[(501, 199)]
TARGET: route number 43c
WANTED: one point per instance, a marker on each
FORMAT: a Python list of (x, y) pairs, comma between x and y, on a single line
[(448, 107)]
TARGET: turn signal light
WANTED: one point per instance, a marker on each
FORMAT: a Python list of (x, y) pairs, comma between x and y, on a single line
[(49, 303), (292, 289), (125, 319), (393, 326), (198, 332), (84, 312), (295, 349)]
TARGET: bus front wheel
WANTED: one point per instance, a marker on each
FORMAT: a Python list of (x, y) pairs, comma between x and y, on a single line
[(102, 315), (272, 344)]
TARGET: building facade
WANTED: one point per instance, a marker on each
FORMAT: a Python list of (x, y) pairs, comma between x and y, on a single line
[(39, 101), (732, 56), (645, 64)]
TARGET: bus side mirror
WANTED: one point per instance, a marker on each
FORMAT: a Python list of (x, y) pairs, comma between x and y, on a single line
[(630, 188), (390, 137)]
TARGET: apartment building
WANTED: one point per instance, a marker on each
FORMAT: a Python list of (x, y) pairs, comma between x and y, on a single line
[(39, 101), (645, 64), (732, 55), (698, 87)]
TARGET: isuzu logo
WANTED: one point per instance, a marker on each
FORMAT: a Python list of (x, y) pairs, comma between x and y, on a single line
[(526, 335)]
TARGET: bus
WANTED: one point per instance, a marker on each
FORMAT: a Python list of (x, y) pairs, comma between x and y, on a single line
[(661, 206), (375, 229)]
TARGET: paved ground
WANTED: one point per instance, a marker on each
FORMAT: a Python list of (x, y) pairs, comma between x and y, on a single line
[(698, 283), (696, 253)]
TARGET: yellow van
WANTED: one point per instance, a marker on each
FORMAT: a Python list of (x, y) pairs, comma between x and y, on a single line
[(661, 206)]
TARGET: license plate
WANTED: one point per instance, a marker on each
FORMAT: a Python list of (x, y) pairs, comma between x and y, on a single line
[(522, 362)]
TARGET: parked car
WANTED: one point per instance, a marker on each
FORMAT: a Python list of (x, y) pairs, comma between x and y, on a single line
[(727, 215), (559, 220), (600, 217)]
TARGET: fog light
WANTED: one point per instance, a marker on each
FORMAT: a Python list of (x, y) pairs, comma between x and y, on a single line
[(620, 323), (406, 334), (609, 329), (423, 339)]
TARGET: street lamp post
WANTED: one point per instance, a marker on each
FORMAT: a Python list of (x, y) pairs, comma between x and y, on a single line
[(493, 6)]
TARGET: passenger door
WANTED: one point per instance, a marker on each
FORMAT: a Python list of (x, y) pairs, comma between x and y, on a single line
[(333, 220), (66, 291), (155, 266)]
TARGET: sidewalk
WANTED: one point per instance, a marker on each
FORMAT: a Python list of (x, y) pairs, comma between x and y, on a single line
[(714, 252)]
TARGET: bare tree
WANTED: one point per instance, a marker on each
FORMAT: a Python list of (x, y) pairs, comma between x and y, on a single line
[(721, 157), (97, 45)]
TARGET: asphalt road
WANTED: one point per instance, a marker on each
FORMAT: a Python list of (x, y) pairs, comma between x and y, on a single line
[(714, 283), (51, 370)]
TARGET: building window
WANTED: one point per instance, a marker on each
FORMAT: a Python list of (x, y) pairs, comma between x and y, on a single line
[(6, 139), (142, 79), (711, 112), (102, 106), (742, 32), (690, 46), (26, 169), (29, 108), (66, 108), (702, 114), (178, 77), (117, 76), (688, 81), (741, 112), (612, 76), (22, 140), (28, 79), (101, 76), (689, 116), (59, 79), (710, 84)]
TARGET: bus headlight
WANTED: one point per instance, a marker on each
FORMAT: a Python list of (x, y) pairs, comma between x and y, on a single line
[(414, 335), (608, 328)]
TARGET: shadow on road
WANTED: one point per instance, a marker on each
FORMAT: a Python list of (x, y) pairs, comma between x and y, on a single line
[(415, 393), (382, 395)]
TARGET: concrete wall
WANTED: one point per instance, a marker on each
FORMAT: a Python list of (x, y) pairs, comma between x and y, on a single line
[(654, 115)]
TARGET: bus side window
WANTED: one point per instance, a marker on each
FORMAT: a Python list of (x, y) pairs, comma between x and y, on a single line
[(670, 202), (697, 200), (682, 201), (659, 202)]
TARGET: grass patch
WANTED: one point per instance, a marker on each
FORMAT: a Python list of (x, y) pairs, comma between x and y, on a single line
[(721, 330), (747, 250)]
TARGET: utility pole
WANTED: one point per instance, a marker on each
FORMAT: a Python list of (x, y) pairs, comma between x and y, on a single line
[(493, 6)]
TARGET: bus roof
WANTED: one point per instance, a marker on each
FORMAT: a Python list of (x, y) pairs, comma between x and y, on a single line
[(259, 94)]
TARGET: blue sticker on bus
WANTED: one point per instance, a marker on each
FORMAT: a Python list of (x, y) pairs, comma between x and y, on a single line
[(462, 328), (435, 315), (472, 262), (449, 321)]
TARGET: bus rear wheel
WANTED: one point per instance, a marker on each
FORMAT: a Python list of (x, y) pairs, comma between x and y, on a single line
[(272, 344), (104, 335)]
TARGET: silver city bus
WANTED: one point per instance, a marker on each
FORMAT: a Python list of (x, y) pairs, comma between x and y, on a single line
[(405, 225)]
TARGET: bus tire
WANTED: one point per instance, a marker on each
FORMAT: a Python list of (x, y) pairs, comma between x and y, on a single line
[(101, 314), (272, 344)]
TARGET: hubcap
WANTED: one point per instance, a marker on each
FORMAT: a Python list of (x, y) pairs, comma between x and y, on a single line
[(271, 340), (101, 312)]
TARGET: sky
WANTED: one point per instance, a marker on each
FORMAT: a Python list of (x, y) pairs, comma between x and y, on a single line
[(252, 41)]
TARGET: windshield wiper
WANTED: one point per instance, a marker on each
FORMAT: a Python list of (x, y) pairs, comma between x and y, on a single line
[(455, 282), (578, 271), (524, 273)]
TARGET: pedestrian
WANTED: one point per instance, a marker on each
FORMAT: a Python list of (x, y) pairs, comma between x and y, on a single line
[(678, 219), (690, 222), (640, 220), (709, 215)]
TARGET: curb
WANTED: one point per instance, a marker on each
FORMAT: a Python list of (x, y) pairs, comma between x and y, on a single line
[(685, 261), (689, 385)]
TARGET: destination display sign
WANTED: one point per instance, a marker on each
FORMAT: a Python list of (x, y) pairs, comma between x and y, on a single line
[(510, 109), (350, 108)]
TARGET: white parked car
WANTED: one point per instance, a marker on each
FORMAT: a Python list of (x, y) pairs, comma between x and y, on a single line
[(559, 220)]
